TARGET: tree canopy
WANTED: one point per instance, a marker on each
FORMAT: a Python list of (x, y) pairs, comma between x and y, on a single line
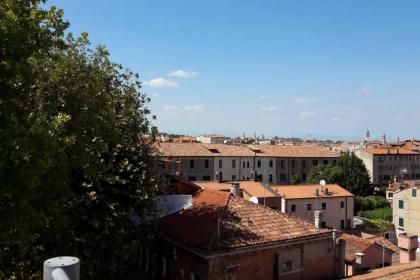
[(349, 172), (76, 165)]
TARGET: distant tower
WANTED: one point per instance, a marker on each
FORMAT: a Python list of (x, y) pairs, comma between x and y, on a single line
[(367, 134), (384, 138), (255, 136), (243, 134), (263, 138)]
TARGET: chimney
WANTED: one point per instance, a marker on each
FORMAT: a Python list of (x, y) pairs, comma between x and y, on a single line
[(341, 252), (326, 191), (318, 218), (235, 189), (395, 178), (359, 263), (317, 192), (408, 245)]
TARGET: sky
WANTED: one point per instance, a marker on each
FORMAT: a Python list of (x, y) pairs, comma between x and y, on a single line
[(312, 69)]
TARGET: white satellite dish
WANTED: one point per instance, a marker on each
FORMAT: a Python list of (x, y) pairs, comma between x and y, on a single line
[(322, 183), (254, 199)]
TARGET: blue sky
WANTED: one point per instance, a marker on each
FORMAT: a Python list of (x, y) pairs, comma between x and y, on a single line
[(326, 69)]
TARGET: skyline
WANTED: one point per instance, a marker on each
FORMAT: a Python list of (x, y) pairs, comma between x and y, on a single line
[(314, 70)]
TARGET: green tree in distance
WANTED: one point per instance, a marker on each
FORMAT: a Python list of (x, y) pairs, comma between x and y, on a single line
[(75, 165), (349, 172)]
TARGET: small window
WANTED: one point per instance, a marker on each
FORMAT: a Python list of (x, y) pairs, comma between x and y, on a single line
[(413, 192), (293, 163), (315, 162), (191, 178), (233, 177), (334, 162), (308, 207), (342, 224), (323, 224), (243, 164), (293, 208), (271, 163), (206, 163), (206, 178), (247, 164), (304, 163), (220, 163), (304, 177), (192, 163), (342, 204), (282, 163), (233, 163), (390, 194), (324, 205), (401, 222), (401, 204), (259, 163), (325, 162), (285, 266), (270, 178)]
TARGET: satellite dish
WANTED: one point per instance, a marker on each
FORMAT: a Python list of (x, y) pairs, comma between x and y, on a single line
[(254, 199), (322, 183)]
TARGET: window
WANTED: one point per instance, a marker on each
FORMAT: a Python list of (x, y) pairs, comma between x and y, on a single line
[(325, 162), (293, 208), (233, 177), (401, 204), (323, 206), (315, 162), (243, 164), (282, 163), (413, 192), (220, 163), (270, 178), (401, 222), (334, 162), (271, 163), (247, 164), (206, 178), (233, 163), (342, 204), (308, 207), (304, 177), (390, 194), (206, 163), (304, 163), (192, 163), (285, 266), (283, 177), (342, 224), (191, 178), (259, 163), (293, 163), (323, 225)]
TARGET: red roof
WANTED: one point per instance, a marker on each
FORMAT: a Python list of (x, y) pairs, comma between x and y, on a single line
[(219, 221)]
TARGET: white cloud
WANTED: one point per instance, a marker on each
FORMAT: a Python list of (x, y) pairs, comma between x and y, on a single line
[(264, 96), (304, 100), (194, 108), (365, 91), (306, 115), (161, 83), (269, 109), (335, 119), (155, 94), (182, 74), (169, 107)]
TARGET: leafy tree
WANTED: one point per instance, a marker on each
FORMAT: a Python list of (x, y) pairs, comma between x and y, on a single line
[(76, 166), (349, 172), (294, 179)]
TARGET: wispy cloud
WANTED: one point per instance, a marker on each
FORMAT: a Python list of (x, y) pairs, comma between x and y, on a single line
[(264, 96), (335, 119), (269, 108), (169, 107), (161, 83), (306, 115), (182, 74), (304, 100), (365, 91), (155, 94), (194, 108)]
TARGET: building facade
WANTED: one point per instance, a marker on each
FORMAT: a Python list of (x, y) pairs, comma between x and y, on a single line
[(406, 210), (384, 164)]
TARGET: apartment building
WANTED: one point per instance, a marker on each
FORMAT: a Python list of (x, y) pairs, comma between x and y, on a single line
[(406, 210), (383, 164), (223, 236), (397, 185), (331, 204), (212, 139), (270, 164)]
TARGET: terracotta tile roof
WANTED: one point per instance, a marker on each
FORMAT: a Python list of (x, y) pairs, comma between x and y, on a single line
[(309, 191), (409, 271), (355, 244), (219, 150), (219, 221), (250, 188), (391, 152), (396, 186), (293, 151)]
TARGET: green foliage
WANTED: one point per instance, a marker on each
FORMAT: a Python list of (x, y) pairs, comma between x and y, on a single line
[(369, 203), (377, 214), (75, 167), (294, 179), (376, 226), (349, 172)]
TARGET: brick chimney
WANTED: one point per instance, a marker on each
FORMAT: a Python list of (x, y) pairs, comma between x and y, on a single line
[(235, 189), (408, 245), (318, 218)]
